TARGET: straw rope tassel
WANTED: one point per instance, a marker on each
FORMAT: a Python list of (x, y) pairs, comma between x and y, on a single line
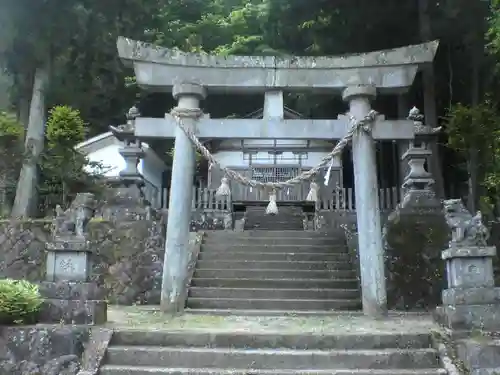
[(272, 207), (328, 173), (224, 190), (312, 196)]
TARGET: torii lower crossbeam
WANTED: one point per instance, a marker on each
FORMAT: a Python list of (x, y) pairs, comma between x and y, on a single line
[(206, 128)]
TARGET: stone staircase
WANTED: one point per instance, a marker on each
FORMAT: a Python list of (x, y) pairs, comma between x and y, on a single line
[(134, 352), (276, 271), (288, 218)]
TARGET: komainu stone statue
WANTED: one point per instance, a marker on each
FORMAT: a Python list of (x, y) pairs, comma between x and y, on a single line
[(74, 221), (467, 230)]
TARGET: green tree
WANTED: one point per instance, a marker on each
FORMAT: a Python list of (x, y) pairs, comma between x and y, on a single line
[(475, 130), (65, 129)]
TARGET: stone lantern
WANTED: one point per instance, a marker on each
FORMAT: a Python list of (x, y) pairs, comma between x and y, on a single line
[(132, 151), (418, 183), (126, 199)]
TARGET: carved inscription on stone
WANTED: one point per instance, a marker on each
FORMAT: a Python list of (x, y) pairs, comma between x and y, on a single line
[(71, 266)]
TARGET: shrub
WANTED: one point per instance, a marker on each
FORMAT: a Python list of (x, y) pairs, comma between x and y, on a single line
[(20, 301)]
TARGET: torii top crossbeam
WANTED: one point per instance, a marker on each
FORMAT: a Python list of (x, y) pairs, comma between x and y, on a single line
[(158, 69)]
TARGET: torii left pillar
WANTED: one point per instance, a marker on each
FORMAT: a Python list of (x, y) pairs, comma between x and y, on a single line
[(188, 96)]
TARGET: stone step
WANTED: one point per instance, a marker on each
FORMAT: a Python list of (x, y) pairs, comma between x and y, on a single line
[(272, 304), (250, 255), (307, 234), (271, 220), (247, 273), (282, 214), (264, 204), (281, 218), (266, 227), (274, 265), (274, 283), (277, 313), (259, 248), (242, 340), (146, 370), (231, 358), (271, 293), (275, 233), (275, 241)]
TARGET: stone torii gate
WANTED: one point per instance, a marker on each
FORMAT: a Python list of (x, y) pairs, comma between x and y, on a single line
[(358, 78)]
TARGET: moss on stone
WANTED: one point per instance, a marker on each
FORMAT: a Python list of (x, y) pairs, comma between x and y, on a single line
[(413, 259)]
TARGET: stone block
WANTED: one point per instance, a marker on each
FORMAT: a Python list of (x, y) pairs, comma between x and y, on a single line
[(469, 267), (466, 317), (68, 265), (71, 290), (74, 311), (479, 353), (471, 296)]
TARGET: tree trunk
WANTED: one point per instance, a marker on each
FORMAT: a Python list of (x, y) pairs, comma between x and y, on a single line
[(430, 109), (473, 162), (26, 192), (25, 83)]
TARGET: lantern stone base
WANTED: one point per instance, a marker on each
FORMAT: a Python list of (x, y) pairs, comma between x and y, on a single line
[(71, 302), (471, 308)]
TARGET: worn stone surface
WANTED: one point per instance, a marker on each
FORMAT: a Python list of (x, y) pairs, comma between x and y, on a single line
[(128, 256), (41, 350), (95, 350), (22, 244), (386, 69), (480, 354), (467, 230), (471, 301), (211, 220), (326, 220), (494, 240), (413, 245)]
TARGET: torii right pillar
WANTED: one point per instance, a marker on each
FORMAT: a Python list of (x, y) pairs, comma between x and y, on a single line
[(370, 248)]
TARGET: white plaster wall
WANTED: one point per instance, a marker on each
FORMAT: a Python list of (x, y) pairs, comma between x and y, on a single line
[(151, 167), (231, 159), (110, 158)]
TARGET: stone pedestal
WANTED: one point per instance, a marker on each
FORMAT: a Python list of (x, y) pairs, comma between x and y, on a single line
[(124, 203), (70, 296), (471, 300), (416, 231)]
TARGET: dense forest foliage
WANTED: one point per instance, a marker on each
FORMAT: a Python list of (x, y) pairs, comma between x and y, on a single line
[(67, 49)]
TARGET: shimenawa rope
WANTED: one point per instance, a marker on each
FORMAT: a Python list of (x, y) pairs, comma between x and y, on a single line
[(364, 124)]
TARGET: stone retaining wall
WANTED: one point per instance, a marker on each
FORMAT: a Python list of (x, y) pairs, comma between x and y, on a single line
[(41, 351), (128, 259)]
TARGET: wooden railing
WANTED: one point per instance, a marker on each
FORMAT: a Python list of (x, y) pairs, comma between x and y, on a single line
[(341, 200), (203, 199)]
